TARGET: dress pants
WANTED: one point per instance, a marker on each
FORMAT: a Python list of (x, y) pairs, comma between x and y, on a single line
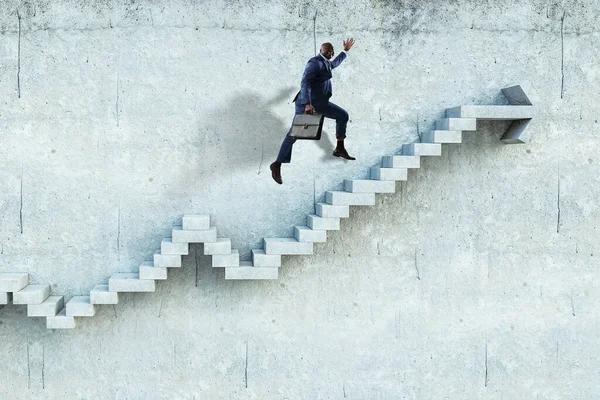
[(329, 110)]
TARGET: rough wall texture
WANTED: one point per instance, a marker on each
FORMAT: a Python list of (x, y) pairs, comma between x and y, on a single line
[(478, 279)]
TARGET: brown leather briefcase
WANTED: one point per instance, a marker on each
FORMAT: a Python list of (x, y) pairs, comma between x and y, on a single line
[(307, 127)]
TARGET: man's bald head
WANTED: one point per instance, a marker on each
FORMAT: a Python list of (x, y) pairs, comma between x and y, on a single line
[(327, 50)]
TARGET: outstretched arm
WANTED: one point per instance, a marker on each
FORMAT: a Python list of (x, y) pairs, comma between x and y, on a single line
[(342, 56), (338, 60)]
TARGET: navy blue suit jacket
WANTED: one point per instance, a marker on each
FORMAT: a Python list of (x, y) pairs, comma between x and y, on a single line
[(316, 81)]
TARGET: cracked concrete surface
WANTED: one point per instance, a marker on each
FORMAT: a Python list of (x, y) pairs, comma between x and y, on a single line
[(477, 279)]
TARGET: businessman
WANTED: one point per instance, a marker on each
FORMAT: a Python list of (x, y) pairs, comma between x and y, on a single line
[(313, 98)]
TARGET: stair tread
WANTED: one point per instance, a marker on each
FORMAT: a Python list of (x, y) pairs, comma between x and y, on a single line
[(126, 275), (130, 282), (343, 198), (13, 281), (369, 186), (422, 149), (48, 308), (287, 245), (31, 294), (195, 221), (180, 235), (33, 288), (317, 222), (226, 260), (79, 300), (331, 211), (306, 234), (61, 321), (319, 217), (261, 259), (282, 240), (101, 294), (80, 306), (101, 287)]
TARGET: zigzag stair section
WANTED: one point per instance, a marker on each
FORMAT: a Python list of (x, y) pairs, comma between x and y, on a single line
[(265, 262)]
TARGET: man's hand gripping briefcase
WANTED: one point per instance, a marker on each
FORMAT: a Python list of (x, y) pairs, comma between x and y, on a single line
[(306, 126)]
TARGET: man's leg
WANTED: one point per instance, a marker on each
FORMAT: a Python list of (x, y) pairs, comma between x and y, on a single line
[(284, 156), (331, 110), (285, 152)]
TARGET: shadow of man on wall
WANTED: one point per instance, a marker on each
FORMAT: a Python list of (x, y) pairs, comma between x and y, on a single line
[(241, 132), (246, 131)]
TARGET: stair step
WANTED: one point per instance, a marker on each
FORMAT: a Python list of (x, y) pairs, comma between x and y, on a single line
[(389, 174), (180, 235), (401, 161), (306, 234), (5, 298), (226, 260), (61, 321), (456, 124), (130, 282), (439, 136), (80, 306), (101, 295), (261, 259), (337, 198), (167, 246), (221, 246), (195, 222), (149, 271), (422, 149), (13, 281), (246, 271), (31, 294), (369, 186), (49, 308), (316, 222), (328, 211), (290, 246), (491, 113), (167, 260)]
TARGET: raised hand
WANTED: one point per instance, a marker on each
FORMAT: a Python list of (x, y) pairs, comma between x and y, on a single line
[(348, 43)]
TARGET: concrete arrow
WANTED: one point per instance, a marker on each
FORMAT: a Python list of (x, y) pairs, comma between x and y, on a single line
[(520, 111)]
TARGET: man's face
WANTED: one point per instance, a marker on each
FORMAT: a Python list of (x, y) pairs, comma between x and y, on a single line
[(327, 51)]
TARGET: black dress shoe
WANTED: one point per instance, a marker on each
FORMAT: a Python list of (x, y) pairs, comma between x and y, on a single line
[(276, 172), (342, 153)]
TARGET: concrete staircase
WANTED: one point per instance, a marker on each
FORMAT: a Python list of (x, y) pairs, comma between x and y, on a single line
[(266, 262)]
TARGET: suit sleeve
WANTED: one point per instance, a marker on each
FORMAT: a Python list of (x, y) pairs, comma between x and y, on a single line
[(338, 60), (310, 72)]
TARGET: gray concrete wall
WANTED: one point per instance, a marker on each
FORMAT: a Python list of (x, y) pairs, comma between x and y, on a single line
[(478, 279)]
